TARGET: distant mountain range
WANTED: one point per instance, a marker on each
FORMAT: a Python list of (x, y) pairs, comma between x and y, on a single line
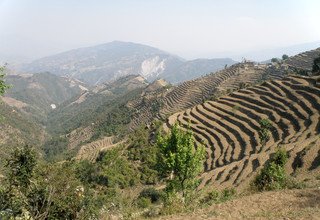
[(110, 61)]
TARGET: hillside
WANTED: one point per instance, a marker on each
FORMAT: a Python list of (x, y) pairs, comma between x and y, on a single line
[(110, 61), (38, 94), (102, 108), (118, 107), (288, 204), (187, 94), (229, 128), (303, 61), (16, 129), (211, 86), (105, 135)]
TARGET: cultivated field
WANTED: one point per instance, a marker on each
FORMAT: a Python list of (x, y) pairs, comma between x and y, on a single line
[(229, 128)]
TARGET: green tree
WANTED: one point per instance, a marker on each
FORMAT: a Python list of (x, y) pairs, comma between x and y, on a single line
[(179, 159), (285, 56)]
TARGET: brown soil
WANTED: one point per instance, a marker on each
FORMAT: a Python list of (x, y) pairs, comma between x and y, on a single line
[(286, 204)]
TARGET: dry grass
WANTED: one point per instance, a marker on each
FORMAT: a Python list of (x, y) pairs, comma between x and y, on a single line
[(286, 204)]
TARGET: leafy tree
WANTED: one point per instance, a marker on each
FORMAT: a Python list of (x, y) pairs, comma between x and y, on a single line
[(179, 159), (285, 56)]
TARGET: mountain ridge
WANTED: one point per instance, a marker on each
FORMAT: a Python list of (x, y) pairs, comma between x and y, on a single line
[(106, 62)]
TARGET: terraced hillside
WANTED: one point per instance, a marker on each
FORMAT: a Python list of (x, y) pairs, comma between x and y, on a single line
[(196, 91), (91, 151), (304, 60), (229, 128)]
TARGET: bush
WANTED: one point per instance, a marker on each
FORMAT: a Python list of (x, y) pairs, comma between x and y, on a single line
[(273, 175), (264, 131), (280, 157), (270, 178)]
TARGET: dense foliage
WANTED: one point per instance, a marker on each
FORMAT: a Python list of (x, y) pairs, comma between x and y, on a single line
[(111, 169), (43, 191), (144, 153), (179, 160)]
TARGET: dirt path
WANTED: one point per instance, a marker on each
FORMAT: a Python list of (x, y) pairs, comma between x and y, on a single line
[(287, 204)]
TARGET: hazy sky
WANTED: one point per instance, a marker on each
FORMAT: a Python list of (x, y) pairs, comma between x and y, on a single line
[(188, 28)]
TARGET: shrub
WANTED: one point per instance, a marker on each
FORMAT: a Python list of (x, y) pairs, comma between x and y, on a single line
[(273, 175), (264, 132), (280, 157)]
